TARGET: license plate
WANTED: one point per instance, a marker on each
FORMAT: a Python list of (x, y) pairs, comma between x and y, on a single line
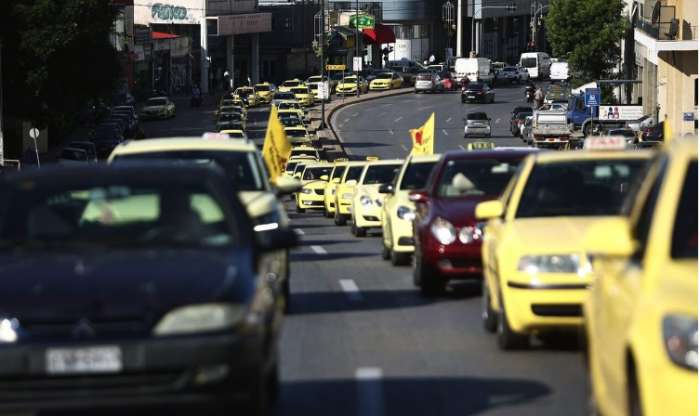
[(103, 359), (470, 96)]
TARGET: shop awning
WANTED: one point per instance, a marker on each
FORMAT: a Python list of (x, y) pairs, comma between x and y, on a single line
[(379, 35), (162, 35)]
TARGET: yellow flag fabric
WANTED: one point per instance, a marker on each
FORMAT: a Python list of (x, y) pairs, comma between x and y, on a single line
[(424, 138), (276, 147)]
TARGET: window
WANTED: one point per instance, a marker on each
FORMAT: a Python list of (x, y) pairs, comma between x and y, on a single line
[(643, 225), (354, 173), (380, 174), (685, 230), (476, 177), (338, 172), (312, 174), (416, 175)]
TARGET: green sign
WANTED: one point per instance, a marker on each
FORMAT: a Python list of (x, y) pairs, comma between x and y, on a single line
[(365, 21)]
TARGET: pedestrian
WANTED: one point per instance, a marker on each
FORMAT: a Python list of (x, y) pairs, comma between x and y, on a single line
[(539, 97)]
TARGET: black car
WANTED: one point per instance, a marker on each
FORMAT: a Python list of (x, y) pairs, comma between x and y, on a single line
[(133, 285), (478, 92), (517, 120)]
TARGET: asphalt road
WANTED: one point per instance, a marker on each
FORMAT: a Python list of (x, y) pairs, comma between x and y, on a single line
[(360, 340)]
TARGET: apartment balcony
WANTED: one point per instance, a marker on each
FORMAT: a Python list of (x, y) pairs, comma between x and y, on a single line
[(664, 32)]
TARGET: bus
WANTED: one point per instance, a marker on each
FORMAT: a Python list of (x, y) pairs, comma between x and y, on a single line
[(536, 63)]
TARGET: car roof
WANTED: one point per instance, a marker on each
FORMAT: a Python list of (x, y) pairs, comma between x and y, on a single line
[(484, 154), (175, 144), (425, 158), (386, 162), (318, 165), (575, 155)]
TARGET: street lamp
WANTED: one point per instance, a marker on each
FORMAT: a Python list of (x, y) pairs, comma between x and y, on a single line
[(448, 19)]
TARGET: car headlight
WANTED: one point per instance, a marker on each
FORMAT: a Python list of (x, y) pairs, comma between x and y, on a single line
[(365, 200), (347, 196), (469, 234), (443, 231), (681, 340), (267, 222), (8, 330), (558, 263), (307, 191), (405, 213), (199, 318)]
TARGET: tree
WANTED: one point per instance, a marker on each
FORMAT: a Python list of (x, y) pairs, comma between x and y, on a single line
[(56, 57), (587, 33)]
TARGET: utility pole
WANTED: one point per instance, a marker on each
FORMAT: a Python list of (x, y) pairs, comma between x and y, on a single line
[(204, 50), (357, 43), (2, 138), (458, 52), (323, 64)]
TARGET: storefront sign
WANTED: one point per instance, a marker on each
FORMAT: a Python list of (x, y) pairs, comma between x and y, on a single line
[(245, 23), (223, 7), (188, 12), (340, 67), (362, 21)]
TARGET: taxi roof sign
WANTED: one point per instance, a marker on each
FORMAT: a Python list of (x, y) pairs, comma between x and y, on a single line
[(372, 158), (481, 146), (215, 136), (605, 143), (341, 159)]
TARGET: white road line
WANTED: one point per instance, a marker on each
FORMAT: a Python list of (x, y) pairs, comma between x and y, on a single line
[(318, 250), (445, 132), (403, 146), (370, 394), (396, 120), (462, 147), (351, 289), (355, 114), (299, 231), (498, 120), (391, 132), (346, 120), (448, 120)]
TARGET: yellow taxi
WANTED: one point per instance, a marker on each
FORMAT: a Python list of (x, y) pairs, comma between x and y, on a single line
[(289, 105), (345, 191), (299, 169), (367, 202), (304, 153), (313, 183), (386, 81), (348, 86), (303, 95), (535, 266), (297, 135), (641, 316), (243, 163), (235, 134), (289, 84), (290, 166), (398, 211), (264, 91), (339, 166), (247, 95)]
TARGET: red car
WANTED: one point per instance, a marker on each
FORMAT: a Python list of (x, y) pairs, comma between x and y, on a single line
[(446, 233)]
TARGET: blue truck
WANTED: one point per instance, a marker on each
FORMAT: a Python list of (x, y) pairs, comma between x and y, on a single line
[(599, 119)]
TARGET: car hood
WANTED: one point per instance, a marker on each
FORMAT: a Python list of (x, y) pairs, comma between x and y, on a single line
[(555, 235), (459, 211), (118, 284)]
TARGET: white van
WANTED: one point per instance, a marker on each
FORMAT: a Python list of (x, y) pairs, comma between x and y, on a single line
[(559, 71), (474, 69), (536, 63)]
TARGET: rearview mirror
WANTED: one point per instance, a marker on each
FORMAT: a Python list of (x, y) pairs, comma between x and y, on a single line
[(276, 239), (418, 197), (610, 237), (386, 189), (489, 209), (285, 185)]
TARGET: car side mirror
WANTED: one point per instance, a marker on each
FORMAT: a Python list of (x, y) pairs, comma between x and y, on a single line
[(277, 239), (386, 188), (285, 185), (610, 237), (489, 209), (419, 197), (324, 178)]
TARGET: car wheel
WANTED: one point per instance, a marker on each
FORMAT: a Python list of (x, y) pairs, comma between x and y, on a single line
[(386, 252), (488, 315), (427, 279), (339, 219), (634, 397), (507, 338), (399, 259), (328, 214), (360, 232), (300, 210)]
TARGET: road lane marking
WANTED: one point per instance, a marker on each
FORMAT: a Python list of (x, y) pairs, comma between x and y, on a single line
[(318, 250), (448, 120), (498, 120), (346, 120), (462, 147), (391, 132), (355, 114), (299, 231), (396, 120), (445, 132), (370, 394), (403, 146), (351, 290)]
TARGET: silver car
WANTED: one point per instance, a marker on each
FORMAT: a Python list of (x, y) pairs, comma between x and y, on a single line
[(477, 124), (427, 82)]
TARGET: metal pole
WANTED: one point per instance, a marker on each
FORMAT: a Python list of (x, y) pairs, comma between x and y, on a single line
[(458, 51), (203, 48), (323, 63), (357, 43), (2, 138)]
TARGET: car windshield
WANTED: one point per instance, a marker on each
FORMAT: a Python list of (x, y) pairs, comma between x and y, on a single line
[(416, 175), (240, 167), (311, 174), (475, 86), (380, 174), (477, 116), (300, 90), (385, 75), (289, 106), (262, 88), (290, 83), (300, 152), (290, 166), (314, 79), (509, 69), (349, 79), (354, 173), (156, 102), (426, 76), (685, 229), (528, 62), (284, 96), (517, 110), (243, 93), (295, 133), (578, 188), (476, 177), (230, 117), (73, 154), (289, 121), (523, 116), (120, 215), (338, 172), (299, 168)]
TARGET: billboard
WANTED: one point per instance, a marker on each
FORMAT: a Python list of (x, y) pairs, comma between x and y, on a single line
[(186, 12), (245, 23)]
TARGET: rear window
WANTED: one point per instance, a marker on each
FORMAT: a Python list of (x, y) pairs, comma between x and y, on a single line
[(384, 76), (295, 133), (424, 77), (381, 174), (477, 116), (284, 96), (291, 83), (416, 175), (685, 229), (262, 88)]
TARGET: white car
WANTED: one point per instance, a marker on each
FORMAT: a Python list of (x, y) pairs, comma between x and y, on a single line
[(477, 124), (523, 74), (158, 107)]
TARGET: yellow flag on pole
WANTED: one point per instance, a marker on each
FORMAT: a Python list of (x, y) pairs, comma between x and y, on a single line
[(424, 138), (276, 147)]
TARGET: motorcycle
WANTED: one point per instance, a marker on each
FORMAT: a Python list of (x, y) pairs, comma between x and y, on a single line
[(529, 94)]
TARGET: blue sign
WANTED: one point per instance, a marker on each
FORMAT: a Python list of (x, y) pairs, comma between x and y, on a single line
[(592, 97), (688, 116)]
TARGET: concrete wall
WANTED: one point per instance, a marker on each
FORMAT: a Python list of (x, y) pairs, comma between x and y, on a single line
[(677, 74)]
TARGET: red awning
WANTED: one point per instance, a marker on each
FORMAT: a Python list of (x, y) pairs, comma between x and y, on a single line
[(162, 35), (380, 34)]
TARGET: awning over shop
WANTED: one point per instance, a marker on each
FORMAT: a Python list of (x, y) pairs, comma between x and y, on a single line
[(162, 35), (379, 35)]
